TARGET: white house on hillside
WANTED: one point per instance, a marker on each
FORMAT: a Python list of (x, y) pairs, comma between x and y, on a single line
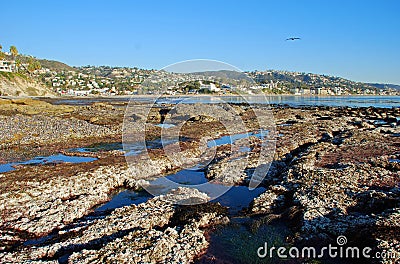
[(7, 66), (211, 87)]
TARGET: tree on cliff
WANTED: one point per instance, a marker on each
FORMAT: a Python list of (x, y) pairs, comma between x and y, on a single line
[(33, 65), (13, 51), (2, 55)]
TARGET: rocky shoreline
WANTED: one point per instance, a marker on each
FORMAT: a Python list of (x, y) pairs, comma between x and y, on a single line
[(335, 172)]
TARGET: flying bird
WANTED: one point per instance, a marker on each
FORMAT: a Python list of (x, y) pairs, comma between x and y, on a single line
[(295, 38)]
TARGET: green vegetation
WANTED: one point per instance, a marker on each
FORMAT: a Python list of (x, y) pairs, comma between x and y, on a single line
[(8, 75), (33, 65), (32, 91), (238, 242), (55, 65), (13, 51), (205, 91), (190, 86), (272, 91), (11, 76)]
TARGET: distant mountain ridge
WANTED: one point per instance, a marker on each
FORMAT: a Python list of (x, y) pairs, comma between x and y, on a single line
[(385, 86), (55, 65), (228, 74)]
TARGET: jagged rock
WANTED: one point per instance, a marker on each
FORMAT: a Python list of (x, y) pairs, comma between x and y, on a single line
[(341, 185), (271, 199)]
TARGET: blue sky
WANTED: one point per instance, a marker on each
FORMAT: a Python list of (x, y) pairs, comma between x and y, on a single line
[(358, 40)]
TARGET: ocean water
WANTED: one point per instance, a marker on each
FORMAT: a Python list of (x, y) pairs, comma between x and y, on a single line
[(291, 100)]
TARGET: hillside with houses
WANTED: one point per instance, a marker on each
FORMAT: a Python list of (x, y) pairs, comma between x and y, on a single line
[(27, 75)]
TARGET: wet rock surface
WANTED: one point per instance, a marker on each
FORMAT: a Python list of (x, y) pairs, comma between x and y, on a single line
[(335, 171), (42, 129), (141, 233), (338, 172)]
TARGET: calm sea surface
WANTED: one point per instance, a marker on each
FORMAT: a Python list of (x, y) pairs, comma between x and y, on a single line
[(294, 101)]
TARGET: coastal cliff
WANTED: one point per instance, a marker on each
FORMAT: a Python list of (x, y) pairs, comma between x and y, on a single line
[(16, 84)]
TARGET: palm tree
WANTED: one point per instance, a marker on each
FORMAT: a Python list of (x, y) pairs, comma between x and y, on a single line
[(13, 51)]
